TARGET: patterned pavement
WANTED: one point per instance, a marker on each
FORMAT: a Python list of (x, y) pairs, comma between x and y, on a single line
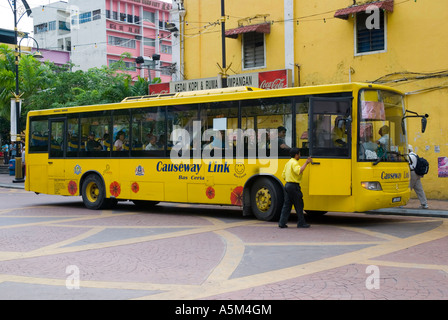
[(49, 245)]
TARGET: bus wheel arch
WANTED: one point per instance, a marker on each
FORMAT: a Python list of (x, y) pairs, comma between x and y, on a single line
[(263, 197)]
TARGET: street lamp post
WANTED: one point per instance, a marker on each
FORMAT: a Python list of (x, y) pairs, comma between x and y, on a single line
[(18, 159), (18, 176)]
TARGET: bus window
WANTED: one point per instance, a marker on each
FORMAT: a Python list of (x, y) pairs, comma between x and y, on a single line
[(72, 145), (148, 132), (382, 112), (180, 124), (330, 127), (302, 122), (56, 138), (120, 133), (266, 116), (38, 140), (219, 121), (94, 126)]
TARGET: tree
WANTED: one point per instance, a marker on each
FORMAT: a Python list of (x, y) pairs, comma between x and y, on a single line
[(46, 86)]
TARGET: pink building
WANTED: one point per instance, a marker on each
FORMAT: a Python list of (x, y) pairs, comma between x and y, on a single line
[(139, 26), (97, 33)]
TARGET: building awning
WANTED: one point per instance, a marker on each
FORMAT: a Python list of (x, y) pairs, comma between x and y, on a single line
[(387, 5), (260, 28)]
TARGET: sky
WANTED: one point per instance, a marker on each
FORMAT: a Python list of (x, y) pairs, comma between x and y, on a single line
[(26, 23)]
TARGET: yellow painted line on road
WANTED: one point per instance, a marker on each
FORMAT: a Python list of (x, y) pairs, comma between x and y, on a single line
[(232, 258), (311, 243), (109, 244), (211, 288), (370, 233), (142, 286), (409, 265)]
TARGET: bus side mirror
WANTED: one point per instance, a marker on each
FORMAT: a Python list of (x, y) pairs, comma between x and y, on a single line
[(416, 115)]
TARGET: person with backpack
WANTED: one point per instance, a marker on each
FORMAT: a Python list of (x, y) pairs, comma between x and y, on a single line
[(416, 175)]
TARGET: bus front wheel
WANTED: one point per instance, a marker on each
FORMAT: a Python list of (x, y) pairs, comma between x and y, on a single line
[(94, 193), (266, 199)]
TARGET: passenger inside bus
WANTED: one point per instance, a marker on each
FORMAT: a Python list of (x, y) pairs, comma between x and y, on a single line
[(384, 140), (152, 145), (92, 144), (119, 142), (283, 148), (106, 142), (368, 148), (339, 135)]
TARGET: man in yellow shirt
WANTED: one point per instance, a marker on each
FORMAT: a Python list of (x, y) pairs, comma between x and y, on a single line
[(292, 174)]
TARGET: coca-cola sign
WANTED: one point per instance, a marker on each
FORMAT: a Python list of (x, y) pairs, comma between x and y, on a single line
[(159, 88), (274, 79)]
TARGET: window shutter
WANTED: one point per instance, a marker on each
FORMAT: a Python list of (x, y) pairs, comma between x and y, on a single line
[(253, 50)]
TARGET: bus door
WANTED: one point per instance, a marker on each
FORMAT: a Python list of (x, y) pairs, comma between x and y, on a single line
[(56, 170), (330, 145)]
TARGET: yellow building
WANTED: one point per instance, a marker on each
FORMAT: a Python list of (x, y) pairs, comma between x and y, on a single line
[(400, 43)]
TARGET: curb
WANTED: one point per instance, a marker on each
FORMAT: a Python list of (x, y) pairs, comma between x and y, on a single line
[(411, 212), (12, 186)]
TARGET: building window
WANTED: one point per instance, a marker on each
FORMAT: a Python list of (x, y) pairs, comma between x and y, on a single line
[(52, 25), (122, 42), (253, 50), (149, 42), (85, 17), (97, 14), (165, 49), (369, 37), (63, 25), (43, 27), (148, 16), (129, 66)]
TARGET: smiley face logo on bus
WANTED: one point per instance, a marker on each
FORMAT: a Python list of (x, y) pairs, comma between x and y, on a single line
[(240, 170)]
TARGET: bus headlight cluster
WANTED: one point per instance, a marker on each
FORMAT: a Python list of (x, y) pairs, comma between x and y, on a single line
[(371, 185)]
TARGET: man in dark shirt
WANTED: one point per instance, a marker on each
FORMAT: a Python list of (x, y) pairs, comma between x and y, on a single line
[(92, 144)]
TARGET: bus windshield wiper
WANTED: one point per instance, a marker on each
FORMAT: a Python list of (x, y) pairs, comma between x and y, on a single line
[(379, 159)]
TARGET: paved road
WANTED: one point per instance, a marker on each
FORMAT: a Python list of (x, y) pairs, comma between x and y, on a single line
[(50, 246)]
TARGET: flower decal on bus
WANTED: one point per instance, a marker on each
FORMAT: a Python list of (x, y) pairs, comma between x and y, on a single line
[(236, 196), (135, 187), (115, 189), (210, 192), (72, 187)]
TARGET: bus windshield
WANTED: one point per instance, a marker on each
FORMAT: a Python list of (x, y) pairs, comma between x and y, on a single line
[(380, 137)]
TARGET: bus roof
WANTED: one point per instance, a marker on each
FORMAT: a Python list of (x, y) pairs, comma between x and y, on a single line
[(226, 94)]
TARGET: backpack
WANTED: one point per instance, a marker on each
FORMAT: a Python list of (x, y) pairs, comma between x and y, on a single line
[(422, 166)]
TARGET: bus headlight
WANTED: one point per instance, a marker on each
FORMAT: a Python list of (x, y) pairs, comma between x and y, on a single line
[(371, 185)]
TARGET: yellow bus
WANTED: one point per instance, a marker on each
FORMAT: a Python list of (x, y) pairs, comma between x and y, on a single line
[(226, 147)]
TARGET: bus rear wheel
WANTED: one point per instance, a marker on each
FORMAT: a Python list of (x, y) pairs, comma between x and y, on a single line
[(266, 199), (94, 193)]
